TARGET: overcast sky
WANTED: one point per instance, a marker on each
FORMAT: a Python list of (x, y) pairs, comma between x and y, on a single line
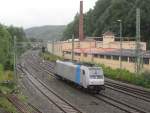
[(29, 13)]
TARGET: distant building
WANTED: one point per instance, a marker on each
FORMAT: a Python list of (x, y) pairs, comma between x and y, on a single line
[(104, 50), (108, 40)]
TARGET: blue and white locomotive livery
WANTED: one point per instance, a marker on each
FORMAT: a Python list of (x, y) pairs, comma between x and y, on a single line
[(89, 77)]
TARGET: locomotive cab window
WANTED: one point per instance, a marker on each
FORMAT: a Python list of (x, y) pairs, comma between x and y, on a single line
[(83, 72), (95, 74)]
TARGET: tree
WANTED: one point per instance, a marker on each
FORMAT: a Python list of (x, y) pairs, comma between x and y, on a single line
[(72, 28), (105, 13), (4, 44)]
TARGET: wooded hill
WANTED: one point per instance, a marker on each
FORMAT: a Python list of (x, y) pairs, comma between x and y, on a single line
[(103, 17), (45, 32)]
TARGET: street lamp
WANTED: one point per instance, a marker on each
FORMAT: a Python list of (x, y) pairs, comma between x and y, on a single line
[(15, 73), (121, 39), (72, 48)]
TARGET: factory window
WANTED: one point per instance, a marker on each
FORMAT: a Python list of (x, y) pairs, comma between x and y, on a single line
[(67, 52), (146, 60), (108, 57), (101, 56), (124, 58), (85, 54), (132, 59), (115, 57), (78, 54), (95, 55)]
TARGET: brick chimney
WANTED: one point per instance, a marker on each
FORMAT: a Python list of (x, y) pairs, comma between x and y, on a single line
[(81, 32)]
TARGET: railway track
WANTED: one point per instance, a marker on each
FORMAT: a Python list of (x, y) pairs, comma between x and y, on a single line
[(114, 102), (127, 92), (36, 110), (120, 104), (58, 101), (19, 105), (136, 91)]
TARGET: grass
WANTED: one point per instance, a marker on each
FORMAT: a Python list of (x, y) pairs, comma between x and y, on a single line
[(5, 86), (50, 57), (22, 97), (8, 88), (7, 106), (5, 75)]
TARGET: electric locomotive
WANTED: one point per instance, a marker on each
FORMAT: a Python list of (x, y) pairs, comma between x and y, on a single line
[(87, 76)]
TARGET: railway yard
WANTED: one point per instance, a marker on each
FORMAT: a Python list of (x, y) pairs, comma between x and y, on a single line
[(55, 58), (48, 94)]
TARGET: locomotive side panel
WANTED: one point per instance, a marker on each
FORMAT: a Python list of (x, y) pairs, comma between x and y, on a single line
[(69, 72)]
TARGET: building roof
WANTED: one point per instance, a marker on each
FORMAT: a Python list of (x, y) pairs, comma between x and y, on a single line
[(93, 37), (110, 51), (125, 52)]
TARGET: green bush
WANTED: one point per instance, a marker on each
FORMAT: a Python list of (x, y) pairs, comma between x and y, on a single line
[(126, 76), (8, 65), (4, 103), (50, 57), (7, 88), (145, 79)]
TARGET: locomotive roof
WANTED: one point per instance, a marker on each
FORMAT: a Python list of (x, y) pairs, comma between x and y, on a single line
[(86, 64), (79, 63)]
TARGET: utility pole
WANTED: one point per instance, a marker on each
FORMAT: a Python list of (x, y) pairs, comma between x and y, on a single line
[(72, 47), (138, 48), (15, 73), (121, 39), (52, 46)]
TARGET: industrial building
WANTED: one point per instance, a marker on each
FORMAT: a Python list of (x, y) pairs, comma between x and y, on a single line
[(104, 50)]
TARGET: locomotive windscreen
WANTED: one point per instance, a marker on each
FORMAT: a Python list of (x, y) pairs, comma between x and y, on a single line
[(95, 73)]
